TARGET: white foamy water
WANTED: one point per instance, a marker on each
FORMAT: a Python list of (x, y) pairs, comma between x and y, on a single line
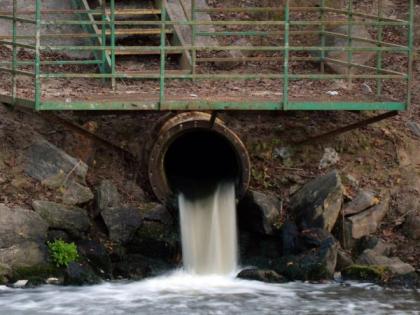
[(209, 235), (183, 293)]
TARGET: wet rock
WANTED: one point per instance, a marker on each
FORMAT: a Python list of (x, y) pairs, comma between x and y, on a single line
[(134, 267), (414, 127), (20, 284), (361, 58), (329, 158), (315, 264), (54, 235), (412, 226), (121, 223), (107, 196), (291, 241), (269, 276), (71, 219), (365, 223), (97, 257), (52, 166), (318, 203), (363, 201), (394, 264), (78, 274), (344, 260), (76, 194), (260, 213), (314, 237), (155, 240)]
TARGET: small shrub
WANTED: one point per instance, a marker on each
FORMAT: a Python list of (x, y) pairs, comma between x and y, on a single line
[(62, 253)]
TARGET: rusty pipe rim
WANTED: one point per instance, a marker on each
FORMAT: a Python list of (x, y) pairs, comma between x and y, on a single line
[(176, 127)]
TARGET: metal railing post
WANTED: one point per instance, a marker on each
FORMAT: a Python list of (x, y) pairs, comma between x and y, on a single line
[(38, 54), (14, 54), (410, 52), (286, 55), (162, 53), (113, 66), (193, 38)]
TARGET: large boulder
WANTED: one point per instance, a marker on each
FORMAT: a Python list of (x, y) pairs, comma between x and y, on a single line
[(77, 274), (365, 223), (394, 264), (107, 196), (318, 203), (363, 201), (317, 263), (97, 256), (121, 223), (292, 244), (17, 225), (260, 213), (71, 219), (22, 236), (376, 244), (52, 166)]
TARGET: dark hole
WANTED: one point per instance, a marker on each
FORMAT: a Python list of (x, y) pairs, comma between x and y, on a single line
[(198, 160)]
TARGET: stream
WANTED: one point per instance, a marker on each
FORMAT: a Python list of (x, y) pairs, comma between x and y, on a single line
[(181, 293)]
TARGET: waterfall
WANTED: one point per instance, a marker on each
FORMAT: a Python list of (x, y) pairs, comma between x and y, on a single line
[(209, 232)]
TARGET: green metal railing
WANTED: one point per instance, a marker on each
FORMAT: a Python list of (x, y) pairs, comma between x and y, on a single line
[(104, 47)]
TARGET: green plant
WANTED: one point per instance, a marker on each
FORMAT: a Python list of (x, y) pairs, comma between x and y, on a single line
[(62, 253)]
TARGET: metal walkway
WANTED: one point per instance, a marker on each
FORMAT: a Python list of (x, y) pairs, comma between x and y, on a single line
[(276, 51)]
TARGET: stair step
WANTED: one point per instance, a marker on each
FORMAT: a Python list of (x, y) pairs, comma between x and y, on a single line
[(123, 12), (137, 31)]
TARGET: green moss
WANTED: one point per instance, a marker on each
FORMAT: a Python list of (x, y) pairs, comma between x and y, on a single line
[(366, 273), (35, 274)]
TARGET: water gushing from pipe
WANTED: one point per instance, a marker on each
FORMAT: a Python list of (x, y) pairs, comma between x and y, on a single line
[(209, 232)]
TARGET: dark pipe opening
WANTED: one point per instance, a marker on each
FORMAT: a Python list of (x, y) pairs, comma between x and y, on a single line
[(199, 159)]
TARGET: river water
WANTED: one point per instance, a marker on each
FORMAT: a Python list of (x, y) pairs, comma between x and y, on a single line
[(181, 293)]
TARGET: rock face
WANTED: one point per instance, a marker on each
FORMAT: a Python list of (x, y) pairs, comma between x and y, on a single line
[(318, 203), (412, 226), (107, 196), (122, 223), (269, 276), (394, 264), (68, 218), (358, 57), (22, 234), (260, 213), (364, 223)]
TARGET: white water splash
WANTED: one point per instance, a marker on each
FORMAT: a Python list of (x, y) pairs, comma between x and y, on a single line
[(209, 233)]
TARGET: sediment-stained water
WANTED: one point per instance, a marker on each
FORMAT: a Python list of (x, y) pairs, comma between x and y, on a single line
[(182, 293), (209, 232)]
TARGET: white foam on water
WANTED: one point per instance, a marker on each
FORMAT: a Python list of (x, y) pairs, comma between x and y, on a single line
[(209, 232)]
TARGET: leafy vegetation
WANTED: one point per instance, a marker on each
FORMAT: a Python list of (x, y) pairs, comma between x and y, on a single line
[(62, 253)]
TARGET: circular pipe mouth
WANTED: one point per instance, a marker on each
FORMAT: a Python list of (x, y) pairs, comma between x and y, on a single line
[(192, 155)]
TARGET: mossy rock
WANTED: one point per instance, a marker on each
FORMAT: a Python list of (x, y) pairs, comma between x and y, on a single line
[(366, 273), (36, 274)]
